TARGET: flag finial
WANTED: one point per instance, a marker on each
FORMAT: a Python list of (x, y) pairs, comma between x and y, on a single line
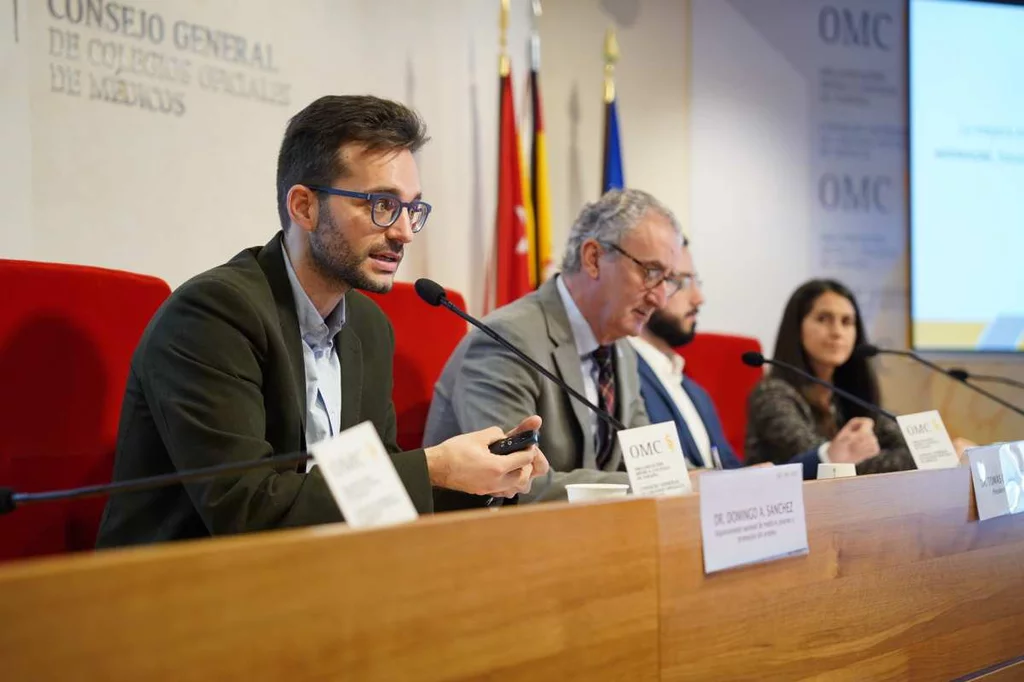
[(503, 64), (535, 37), (611, 55)]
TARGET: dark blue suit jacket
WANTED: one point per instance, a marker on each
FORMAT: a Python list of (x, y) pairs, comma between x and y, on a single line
[(661, 408)]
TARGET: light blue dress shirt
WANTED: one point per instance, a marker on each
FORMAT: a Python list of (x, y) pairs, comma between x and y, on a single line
[(321, 363), (586, 344)]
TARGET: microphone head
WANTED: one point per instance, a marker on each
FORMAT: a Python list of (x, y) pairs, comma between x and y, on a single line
[(866, 350), (958, 373), (752, 359), (7, 503), (430, 291)]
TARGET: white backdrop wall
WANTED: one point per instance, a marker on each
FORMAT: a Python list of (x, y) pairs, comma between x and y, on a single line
[(796, 104), (651, 84), (90, 180), (757, 121), (16, 230), (170, 194)]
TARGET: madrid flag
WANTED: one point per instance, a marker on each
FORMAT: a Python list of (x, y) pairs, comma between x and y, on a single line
[(513, 224)]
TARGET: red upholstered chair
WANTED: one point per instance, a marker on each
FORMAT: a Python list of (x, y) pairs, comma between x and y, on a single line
[(424, 339), (67, 333), (713, 361)]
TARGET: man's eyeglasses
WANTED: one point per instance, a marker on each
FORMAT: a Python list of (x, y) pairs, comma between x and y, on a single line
[(655, 275), (385, 208)]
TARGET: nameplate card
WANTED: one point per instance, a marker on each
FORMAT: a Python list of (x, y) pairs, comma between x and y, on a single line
[(752, 515), (655, 461), (996, 475), (363, 479), (928, 441)]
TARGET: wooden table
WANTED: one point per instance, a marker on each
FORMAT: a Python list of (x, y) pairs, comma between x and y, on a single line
[(901, 582)]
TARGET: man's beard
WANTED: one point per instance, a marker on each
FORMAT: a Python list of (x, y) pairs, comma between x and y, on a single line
[(670, 329), (333, 258)]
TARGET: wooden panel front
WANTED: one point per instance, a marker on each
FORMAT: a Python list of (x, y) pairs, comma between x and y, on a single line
[(546, 592), (901, 582)]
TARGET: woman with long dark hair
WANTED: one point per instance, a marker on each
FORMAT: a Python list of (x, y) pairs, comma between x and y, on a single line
[(787, 414)]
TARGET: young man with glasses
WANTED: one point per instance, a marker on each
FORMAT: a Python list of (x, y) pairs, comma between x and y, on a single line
[(277, 349), (617, 270)]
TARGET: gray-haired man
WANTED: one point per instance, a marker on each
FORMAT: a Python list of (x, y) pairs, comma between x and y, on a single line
[(616, 271)]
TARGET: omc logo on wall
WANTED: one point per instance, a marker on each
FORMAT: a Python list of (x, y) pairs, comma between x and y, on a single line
[(857, 28)]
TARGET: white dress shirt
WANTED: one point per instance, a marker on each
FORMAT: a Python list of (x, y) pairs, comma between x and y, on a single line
[(586, 343), (669, 371)]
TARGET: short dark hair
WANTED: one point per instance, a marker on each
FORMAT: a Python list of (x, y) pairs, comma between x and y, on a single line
[(309, 151), (855, 375)]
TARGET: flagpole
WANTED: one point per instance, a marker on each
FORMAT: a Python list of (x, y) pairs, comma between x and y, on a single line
[(536, 266), (535, 37), (504, 68)]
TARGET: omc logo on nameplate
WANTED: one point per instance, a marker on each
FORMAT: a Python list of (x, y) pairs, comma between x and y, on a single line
[(922, 429), (654, 447)]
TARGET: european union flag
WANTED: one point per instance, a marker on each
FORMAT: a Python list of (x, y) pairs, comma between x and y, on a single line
[(611, 178)]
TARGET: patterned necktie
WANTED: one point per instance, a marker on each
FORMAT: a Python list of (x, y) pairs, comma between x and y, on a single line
[(604, 356)]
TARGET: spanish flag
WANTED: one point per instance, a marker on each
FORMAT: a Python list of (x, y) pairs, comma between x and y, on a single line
[(540, 188)]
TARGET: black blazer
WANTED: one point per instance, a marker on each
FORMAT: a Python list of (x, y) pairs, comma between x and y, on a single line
[(780, 423), (218, 377)]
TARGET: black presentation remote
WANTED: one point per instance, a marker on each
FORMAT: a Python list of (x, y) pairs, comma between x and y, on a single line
[(516, 443)]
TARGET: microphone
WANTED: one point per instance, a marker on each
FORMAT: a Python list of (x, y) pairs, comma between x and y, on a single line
[(754, 359), (958, 374), (10, 500), (961, 374), (868, 350), (433, 293)]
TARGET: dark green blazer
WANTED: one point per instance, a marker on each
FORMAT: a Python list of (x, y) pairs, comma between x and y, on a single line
[(218, 377)]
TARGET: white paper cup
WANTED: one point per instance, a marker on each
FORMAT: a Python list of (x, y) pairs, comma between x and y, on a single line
[(836, 470), (588, 492)]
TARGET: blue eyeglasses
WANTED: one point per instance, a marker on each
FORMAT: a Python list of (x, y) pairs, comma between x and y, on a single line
[(385, 208)]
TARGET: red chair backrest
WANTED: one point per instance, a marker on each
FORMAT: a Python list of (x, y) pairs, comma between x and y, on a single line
[(713, 361), (424, 339), (67, 333)]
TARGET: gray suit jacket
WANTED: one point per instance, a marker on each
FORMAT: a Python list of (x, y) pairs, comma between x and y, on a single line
[(484, 385)]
